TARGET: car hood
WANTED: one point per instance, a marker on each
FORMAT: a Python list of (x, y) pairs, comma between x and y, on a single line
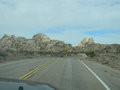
[(13, 84)]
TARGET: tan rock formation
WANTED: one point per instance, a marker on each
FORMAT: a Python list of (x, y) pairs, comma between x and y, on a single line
[(39, 42), (40, 38), (90, 41), (83, 42), (56, 46)]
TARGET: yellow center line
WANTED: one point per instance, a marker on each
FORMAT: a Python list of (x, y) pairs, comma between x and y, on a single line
[(29, 74), (32, 71)]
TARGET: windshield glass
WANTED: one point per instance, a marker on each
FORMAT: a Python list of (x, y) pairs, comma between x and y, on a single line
[(60, 44)]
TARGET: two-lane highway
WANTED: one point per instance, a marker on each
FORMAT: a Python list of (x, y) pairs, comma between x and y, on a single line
[(67, 73)]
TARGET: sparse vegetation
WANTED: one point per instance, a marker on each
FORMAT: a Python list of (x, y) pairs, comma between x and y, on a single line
[(3, 54), (91, 54)]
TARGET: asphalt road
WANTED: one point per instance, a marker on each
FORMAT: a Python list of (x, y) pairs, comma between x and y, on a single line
[(66, 73)]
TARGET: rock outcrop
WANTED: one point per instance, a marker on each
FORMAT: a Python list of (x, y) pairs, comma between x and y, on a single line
[(90, 41), (84, 42), (7, 42), (39, 42), (40, 38), (91, 46), (56, 45)]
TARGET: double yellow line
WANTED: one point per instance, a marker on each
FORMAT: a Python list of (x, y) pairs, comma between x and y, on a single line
[(29, 74)]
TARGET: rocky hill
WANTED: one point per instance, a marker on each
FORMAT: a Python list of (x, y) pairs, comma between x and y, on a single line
[(12, 47), (39, 42), (91, 46)]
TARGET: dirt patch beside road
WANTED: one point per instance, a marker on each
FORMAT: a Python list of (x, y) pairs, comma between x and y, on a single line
[(110, 59)]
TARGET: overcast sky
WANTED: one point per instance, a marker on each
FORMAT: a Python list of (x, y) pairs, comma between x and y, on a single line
[(66, 20)]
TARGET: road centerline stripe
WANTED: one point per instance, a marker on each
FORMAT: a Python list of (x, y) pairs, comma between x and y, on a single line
[(29, 74), (107, 88)]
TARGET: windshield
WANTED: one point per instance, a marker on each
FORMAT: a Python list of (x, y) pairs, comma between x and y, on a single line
[(59, 44)]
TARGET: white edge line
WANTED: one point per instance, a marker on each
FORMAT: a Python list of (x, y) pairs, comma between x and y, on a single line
[(96, 76)]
